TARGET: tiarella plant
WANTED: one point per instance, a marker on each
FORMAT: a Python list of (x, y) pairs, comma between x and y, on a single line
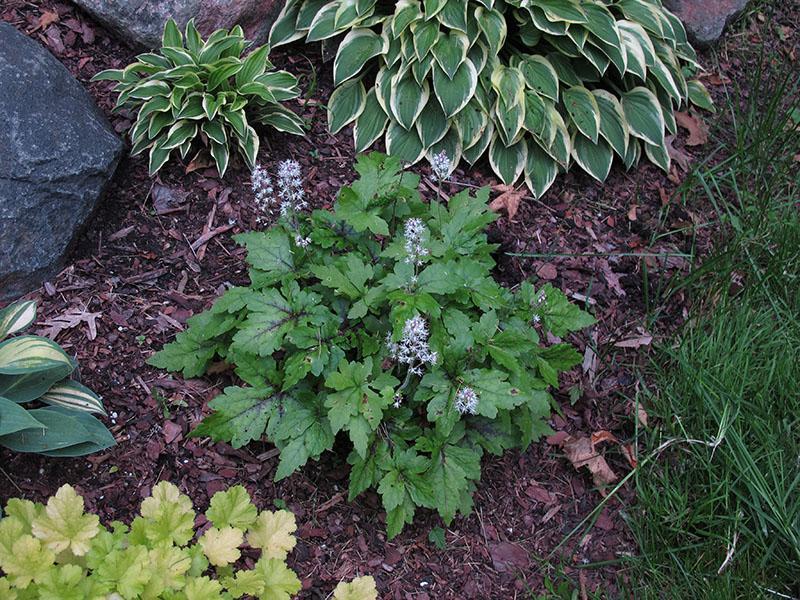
[(381, 321), (36, 369), (58, 552), (195, 89), (538, 84)]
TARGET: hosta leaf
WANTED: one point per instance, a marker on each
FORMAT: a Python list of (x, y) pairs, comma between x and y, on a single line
[(509, 119), (450, 51), (455, 92), (601, 23), (644, 13), (172, 37), (613, 126), (63, 526), (643, 114), (493, 26), (232, 508), (16, 317), (699, 96), (540, 75), (272, 533), (407, 100), (450, 144), (562, 10), (371, 123), (454, 15), (28, 354), (357, 48), (71, 394), (425, 33), (14, 418), (284, 30), (432, 124), (582, 107), (658, 155), (540, 170), (593, 157), (508, 162), (404, 144), (346, 104)]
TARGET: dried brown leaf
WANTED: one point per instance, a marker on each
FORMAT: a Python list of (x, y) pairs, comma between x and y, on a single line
[(508, 200)]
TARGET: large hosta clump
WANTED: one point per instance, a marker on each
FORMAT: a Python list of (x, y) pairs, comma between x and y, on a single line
[(538, 84)]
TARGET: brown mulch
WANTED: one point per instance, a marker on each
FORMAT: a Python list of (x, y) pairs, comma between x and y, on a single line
[(137, 269)]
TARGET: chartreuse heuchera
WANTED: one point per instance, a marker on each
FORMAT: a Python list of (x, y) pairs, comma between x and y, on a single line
[(58, 552), (535, 85), (380, 322)]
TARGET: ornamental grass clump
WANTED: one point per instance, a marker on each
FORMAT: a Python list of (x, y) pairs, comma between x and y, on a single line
[(194, 89), (387, 330), (538, 85), (58, 552)]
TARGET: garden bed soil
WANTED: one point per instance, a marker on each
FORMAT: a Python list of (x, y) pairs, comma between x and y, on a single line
[(160, 250)]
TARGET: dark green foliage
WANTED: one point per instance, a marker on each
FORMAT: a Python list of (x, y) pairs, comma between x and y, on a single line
[(309, 341)]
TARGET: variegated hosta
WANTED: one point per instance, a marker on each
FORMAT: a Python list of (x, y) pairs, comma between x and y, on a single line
[(536, 84), (194, 88), (32, 369)]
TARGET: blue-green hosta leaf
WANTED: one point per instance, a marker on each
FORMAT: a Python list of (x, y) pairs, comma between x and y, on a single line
[(355, 51), (241, 415), (67, 433), (29, 386), (643, 115), (406, 12), (14, 418), (370, 124), (582, 107), (658, 155), (346, 104), (593, 157), (471, 122)]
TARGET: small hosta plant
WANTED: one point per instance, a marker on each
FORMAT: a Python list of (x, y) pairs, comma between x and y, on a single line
[(58, 552), (380, 322), (203, 89), (34, 369), (538, 85)]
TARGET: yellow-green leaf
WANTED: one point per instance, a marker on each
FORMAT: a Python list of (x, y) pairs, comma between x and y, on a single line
[(64, 526), (272, 533)]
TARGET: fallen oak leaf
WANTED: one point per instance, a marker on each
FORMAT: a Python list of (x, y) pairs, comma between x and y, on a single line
[(70, 319), (508, 200), (678, 155), (698, 132), (581, 452)]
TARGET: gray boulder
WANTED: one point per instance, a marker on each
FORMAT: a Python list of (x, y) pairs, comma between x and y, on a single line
[(57, 154), (705, 20), (141, 22)]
